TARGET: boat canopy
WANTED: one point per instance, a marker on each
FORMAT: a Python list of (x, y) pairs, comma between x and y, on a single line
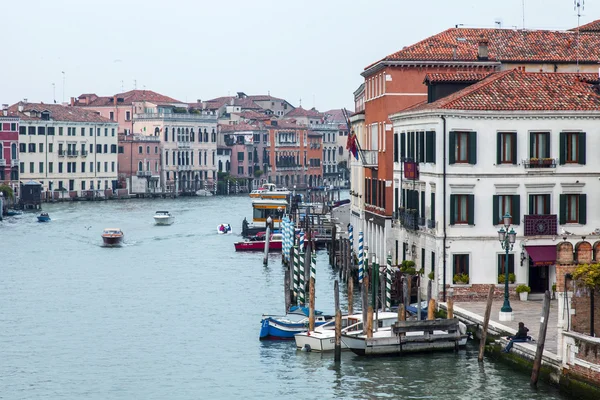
[(162, 212)]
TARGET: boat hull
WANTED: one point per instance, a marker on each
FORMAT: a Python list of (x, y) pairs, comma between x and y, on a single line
[(112, 241), (163, 220), (398, 345), (43, 219), (316, 342), (272, 329), (258, 246)]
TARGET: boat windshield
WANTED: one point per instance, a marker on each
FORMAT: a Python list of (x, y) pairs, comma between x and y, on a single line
[(112, 232)]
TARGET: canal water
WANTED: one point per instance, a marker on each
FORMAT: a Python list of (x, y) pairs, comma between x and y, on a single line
[(175, 314)]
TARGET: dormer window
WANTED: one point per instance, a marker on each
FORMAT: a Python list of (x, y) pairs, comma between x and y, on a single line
[(45, 115)]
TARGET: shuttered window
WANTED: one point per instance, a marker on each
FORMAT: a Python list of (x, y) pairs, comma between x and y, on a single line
[(572, 148), (506, 148), (573, 209), (463, 148), (430, 147), (462, 209), (503, 204)]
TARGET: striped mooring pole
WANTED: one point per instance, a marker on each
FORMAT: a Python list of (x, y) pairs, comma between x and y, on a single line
[(388, 282), (361, 256), (351, 240), (300, 277), (291, 238), (313, 266), (295, 277), (284, 225)]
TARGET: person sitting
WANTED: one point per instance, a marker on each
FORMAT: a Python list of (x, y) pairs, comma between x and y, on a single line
[(520, 337)]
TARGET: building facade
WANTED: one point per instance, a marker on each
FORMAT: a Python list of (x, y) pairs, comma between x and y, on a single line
[(66, 148), (140, 163), (9, 149), (248, 145), (464, 160)]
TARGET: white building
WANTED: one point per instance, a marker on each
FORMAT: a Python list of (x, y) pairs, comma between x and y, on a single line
[(66, 148), (517, 142)]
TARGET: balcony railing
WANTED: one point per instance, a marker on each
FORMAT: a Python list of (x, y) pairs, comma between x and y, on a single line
[(536, 225), (62, 153), (84, 153), (370, 158), (144, 173), (72, 153), (184, 145), (2, 162), (184, 167), (409, 219), (14, 163), (431, 223), (177, 116), (539, 163)]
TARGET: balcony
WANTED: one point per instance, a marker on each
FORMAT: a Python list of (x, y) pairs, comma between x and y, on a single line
[(184, 167), (2, 162), (201, 117), (84, 153), (369, 158), (62, 153), (144, 173), (409, 219), (14, 163), (532, 163), (72, 153), (184, 145), (541, 225), (431, 224)]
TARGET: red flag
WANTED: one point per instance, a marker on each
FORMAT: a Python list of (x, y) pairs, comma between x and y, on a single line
[(351, 144)]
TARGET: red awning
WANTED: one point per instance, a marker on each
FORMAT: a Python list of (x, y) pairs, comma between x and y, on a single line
[(542, 255)]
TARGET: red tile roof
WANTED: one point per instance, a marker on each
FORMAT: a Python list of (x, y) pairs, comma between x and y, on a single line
[(57, 113), (461, 44), (128, 98), (286, 125), (516, 90), (253, 115), (244, 103), (448, 77), (593, 26), (264, 97), (301, 112), (239, 127), (336, 115)]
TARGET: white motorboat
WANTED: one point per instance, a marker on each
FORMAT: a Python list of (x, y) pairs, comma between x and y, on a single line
[(163, 218), (323, 337), (387, 342)]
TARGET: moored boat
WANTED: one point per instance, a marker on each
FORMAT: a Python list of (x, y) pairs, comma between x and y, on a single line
[(323, 337), (286, 326), (257, 243), (43, 217), (112, 236), (262, 209), (163, 218)]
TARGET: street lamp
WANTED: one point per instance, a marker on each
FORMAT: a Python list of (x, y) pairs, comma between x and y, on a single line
[(507, 240)]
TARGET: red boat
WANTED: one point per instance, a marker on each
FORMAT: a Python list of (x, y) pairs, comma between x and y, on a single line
[(257, 243)]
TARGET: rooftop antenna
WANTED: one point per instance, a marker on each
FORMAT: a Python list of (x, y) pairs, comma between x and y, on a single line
[(134, 84), (64, 79), (122, 86), (523, 12), (578, 5), (54, 92), (300, 101), (498, 22)]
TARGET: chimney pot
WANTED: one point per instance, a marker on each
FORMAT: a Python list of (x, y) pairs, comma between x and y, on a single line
[(482, 49)]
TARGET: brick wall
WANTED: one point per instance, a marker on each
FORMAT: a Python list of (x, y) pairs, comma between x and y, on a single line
[(479, 292), (581, 304), (589, 352)]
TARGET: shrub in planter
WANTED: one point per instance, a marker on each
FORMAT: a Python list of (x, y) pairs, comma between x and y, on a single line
[(461, 279), (554, 287), (431, 275), (511, 278), (523, 289), (501, 278)]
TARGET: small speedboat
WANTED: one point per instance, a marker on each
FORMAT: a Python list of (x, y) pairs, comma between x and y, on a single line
[(286, 326), (223, 229), (43, 217), (323, 337), (12, 213), (257, 243), (112, 236), (163, 218)]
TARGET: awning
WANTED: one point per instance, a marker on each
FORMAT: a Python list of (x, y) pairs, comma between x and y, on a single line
[(542, 255)]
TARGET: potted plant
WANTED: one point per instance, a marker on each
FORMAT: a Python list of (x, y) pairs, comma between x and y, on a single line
[(554, 290), (461, 279), (431, 275), (501, 278), (511, 278), (547, 161), (523, 291), (534, 161)]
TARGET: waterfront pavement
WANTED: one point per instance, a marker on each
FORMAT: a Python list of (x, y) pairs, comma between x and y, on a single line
[(528, 312)]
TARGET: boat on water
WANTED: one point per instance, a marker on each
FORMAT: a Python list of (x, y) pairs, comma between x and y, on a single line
[(43, 217), (270, 191), (262, 209), (163, 218), (13, 213), (112, 236), (223, 229), (409, 337), (257, 243), (286, 326), (323, 337)]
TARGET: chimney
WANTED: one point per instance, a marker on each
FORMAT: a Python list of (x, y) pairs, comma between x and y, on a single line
[(482, 50), (72, 101), (198, 101), (20, 108), (5, 109)]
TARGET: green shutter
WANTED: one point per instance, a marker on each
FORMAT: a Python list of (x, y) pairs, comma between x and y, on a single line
[(530, 204), (432, 207), (402, 145), (452, 148), (582, 209), (452, 209), (514, 148), (582, 148), (471, 209), (430, 147), (562, 218), (516, 209), (421, 146), (547, 145), (495, 209), (433, 155), (562, 151), (467, 256), (498, 148), (530, 145), (472, 148)]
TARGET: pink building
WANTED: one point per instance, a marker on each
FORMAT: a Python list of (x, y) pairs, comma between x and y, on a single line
[(9, 149)]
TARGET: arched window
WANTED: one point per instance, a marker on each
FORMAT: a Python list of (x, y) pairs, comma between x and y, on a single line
[(192, 135), (192, 154), (213, 158), (187, 134), (173, 134), (199, 158), (213, 136), (156, 131), (205, 136), (155, 149), (174, 156), (1, 151), (140, 166), (13, 151), (147, 149), (179, 134), (147, 165), (200, 135), (156, 166), (166, 134), (166, 157)]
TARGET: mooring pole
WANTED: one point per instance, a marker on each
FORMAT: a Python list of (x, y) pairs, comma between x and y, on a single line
[(486, 321), (537, 362), (338, 324)]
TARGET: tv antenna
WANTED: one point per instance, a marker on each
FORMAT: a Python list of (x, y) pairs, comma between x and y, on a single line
[(578, 5), (523, 12)]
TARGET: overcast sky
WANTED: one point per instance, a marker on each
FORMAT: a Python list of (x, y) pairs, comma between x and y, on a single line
[(196, 49)]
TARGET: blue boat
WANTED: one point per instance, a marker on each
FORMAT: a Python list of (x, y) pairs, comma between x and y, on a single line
[(12, 213), (43, 217), (286, 326)]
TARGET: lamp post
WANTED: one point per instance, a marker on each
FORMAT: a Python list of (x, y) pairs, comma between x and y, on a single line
[(507, 240)]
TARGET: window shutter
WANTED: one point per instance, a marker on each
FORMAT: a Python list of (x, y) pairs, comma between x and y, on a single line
[(582, 209), (547, 203), (531, 145), (516, 209), (562, 218), (452, 148), (430, 147), (452, 208), (582, 151), (402, 145), (421, 146), (495, 209), (432, 207), (472, 148), (396, 147), (467, 264), (562, 152), (548, 145), (422, 213), (498, 148), (471, 209), (530, 204), (514, 148)]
